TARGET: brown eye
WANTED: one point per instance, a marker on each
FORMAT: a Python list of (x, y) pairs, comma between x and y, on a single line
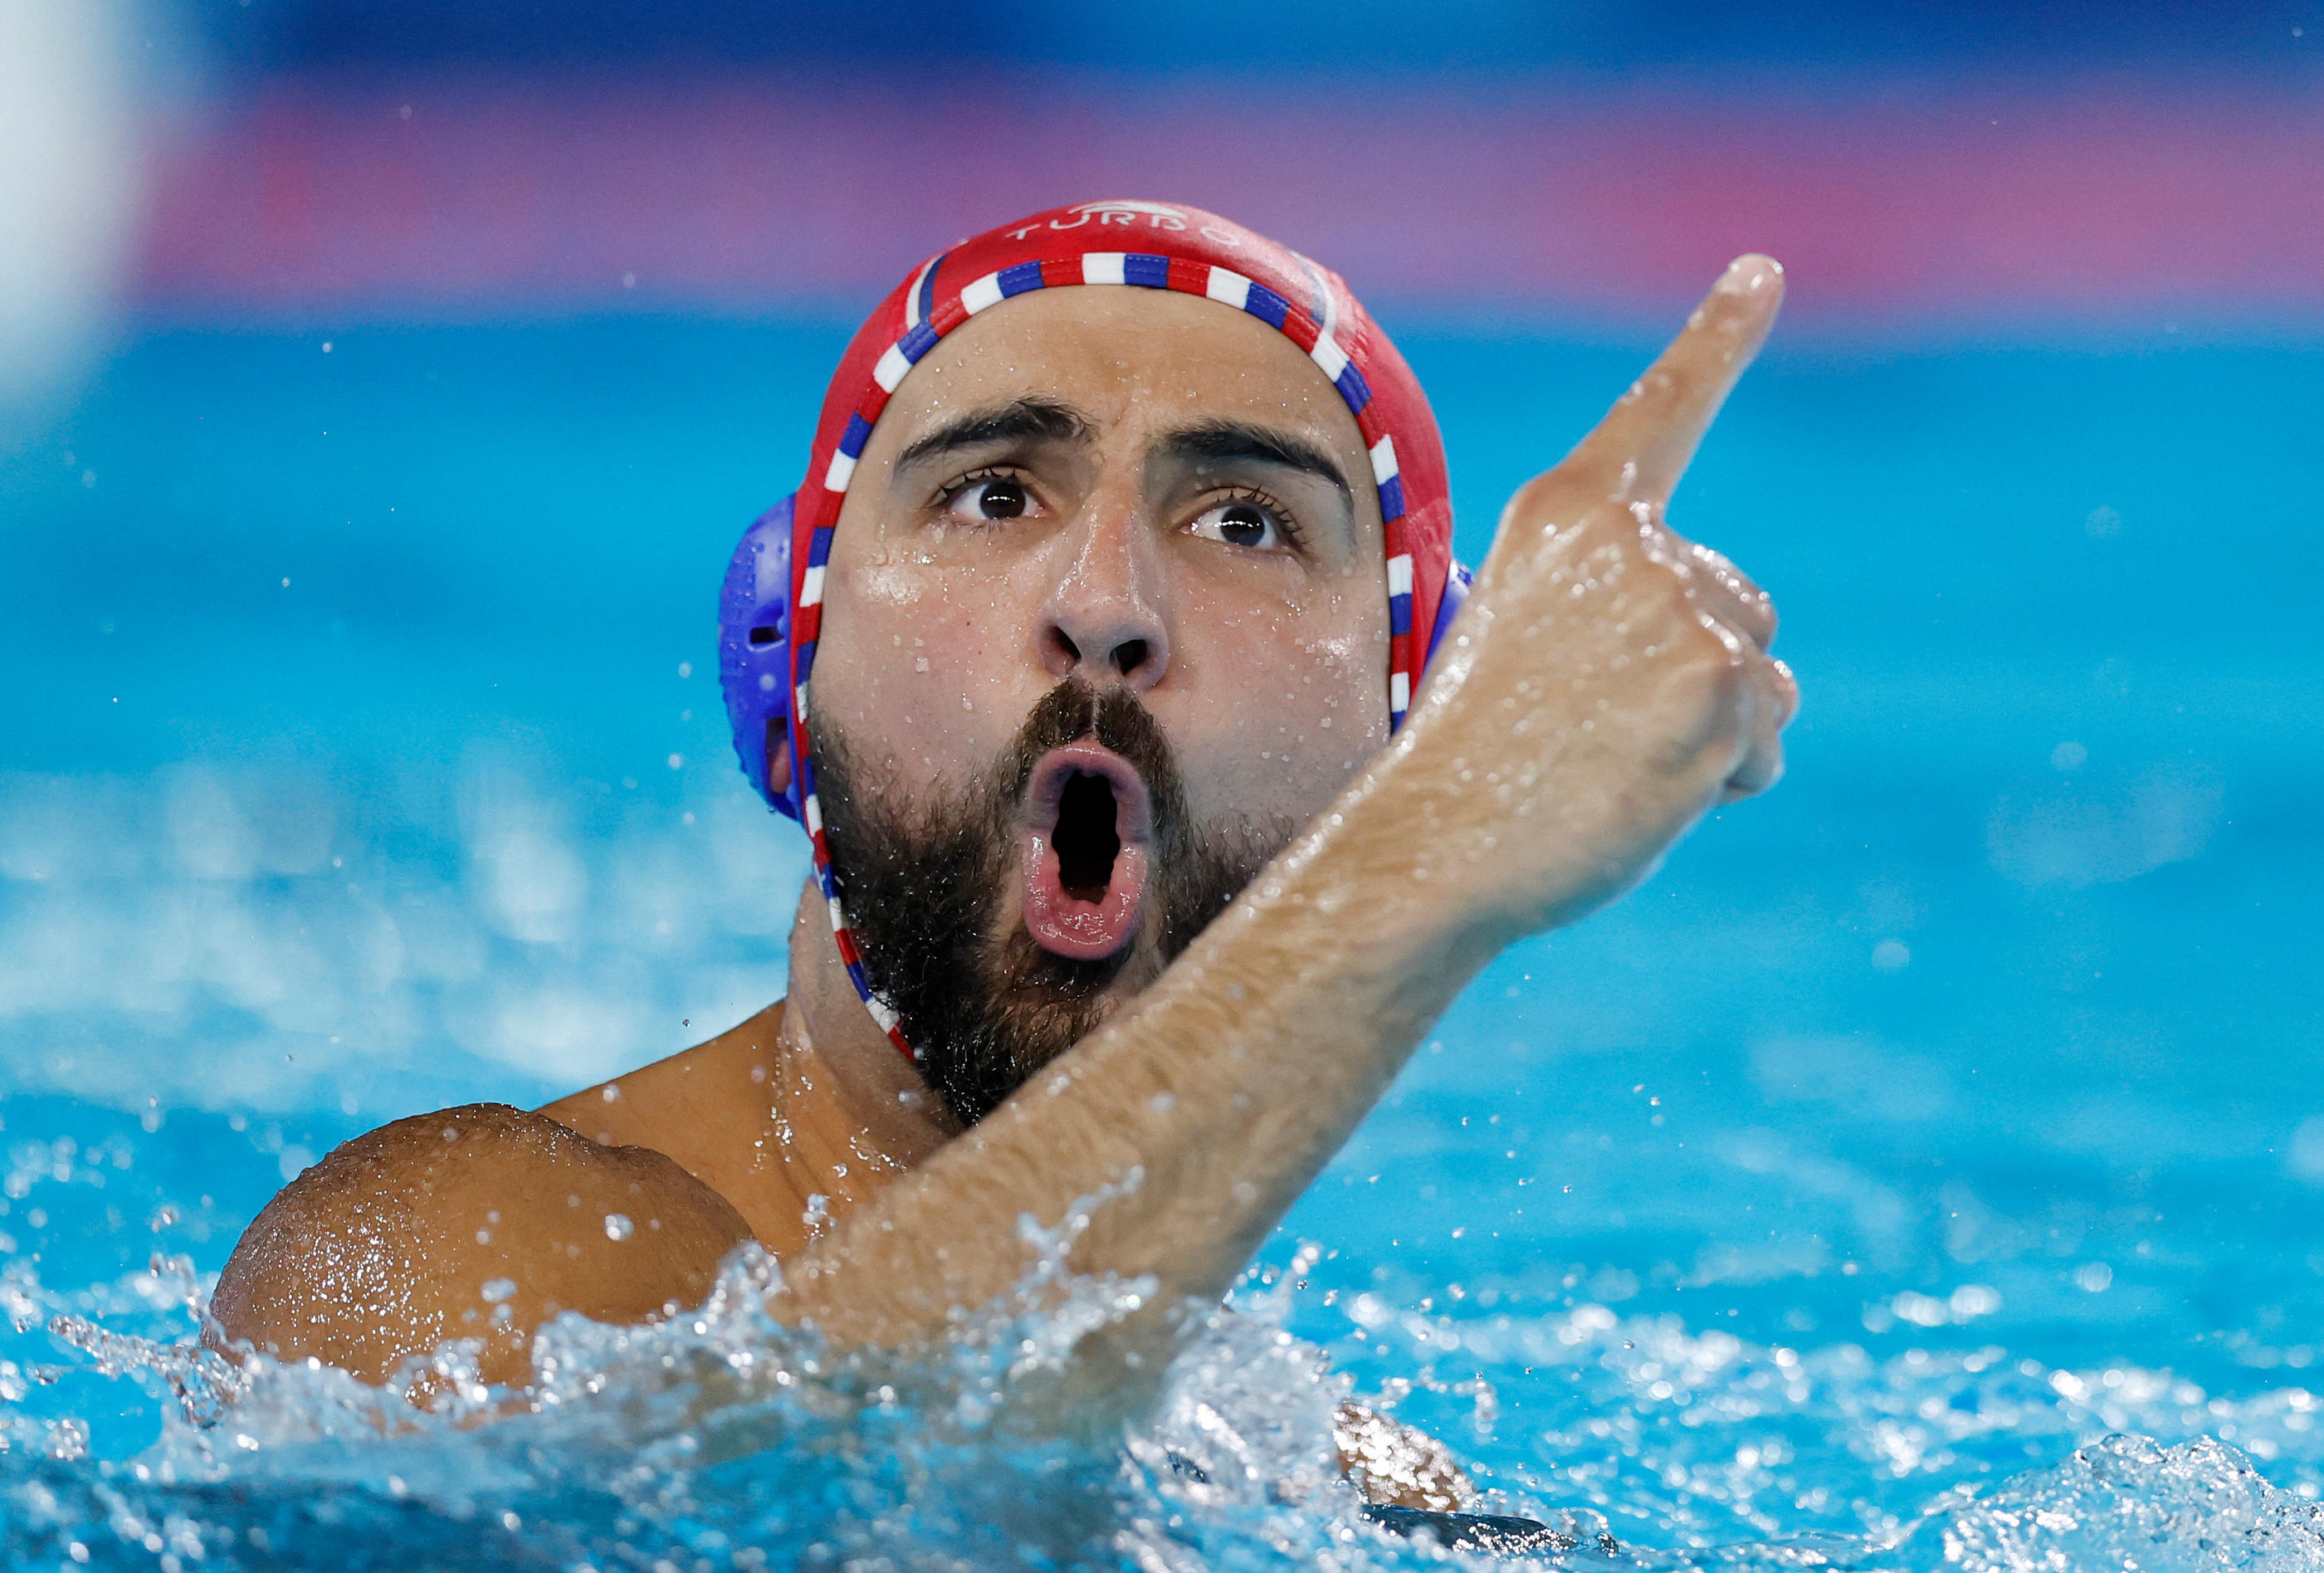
[(1241, 522), (996, 497)]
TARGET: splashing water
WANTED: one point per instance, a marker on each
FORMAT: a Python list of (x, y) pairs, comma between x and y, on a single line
[(721, 1439), (726, 1439)]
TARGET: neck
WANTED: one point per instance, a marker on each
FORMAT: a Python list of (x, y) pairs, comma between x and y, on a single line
[(841, 1076)]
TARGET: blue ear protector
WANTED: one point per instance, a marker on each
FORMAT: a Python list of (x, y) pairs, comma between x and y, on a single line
[(754, 648), (1456, 595)]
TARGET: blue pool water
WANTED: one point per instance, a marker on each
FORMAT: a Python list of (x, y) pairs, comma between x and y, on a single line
[(1924, 1170)]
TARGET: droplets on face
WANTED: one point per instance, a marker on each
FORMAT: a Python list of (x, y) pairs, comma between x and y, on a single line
[(1241, 629)]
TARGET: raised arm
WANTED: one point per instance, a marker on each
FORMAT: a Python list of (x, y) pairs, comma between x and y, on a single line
[(1607, 684)]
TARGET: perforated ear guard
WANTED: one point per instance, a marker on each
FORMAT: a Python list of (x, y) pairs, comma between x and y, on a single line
[(754, 650)]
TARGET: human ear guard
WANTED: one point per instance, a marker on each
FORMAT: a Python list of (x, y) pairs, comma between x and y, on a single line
[(1455, 596), (754, 650), (754, 653)]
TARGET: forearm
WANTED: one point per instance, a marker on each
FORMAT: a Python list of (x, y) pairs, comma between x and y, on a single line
[(1209, 1106)]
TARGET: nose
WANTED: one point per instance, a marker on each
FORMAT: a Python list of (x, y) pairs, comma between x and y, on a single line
[(1104, 619)]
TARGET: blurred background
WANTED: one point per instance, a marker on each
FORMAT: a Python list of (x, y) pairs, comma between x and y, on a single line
[(383, 382)]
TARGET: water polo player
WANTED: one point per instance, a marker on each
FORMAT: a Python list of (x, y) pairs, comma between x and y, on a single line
[(1159, 800)]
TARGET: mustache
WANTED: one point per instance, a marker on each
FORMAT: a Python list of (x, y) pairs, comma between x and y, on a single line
[(1115, 719)]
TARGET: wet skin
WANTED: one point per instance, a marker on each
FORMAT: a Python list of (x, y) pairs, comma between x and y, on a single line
[(1607, 685)]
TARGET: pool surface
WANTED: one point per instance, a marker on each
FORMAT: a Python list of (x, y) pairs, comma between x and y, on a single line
[(1925, 1170)]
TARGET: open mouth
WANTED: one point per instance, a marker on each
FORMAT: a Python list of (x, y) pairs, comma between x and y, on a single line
[(1086, 840), (1087, 821)]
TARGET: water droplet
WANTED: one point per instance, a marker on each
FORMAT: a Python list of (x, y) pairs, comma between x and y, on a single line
[(496, 1289), (618, 1227)]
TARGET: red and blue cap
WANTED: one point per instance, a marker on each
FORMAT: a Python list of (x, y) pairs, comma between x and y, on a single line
[(771, 610)]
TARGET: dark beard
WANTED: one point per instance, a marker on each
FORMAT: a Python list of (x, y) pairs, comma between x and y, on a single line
[(923, 884)]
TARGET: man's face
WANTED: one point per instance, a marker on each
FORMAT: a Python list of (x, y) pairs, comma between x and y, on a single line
[(1105, 623)]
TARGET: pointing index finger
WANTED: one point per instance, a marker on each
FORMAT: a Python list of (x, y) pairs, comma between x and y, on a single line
[(1643, 445)]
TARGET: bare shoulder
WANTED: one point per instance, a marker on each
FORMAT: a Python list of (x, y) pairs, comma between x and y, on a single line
[(701, 1105), (481, 1221)]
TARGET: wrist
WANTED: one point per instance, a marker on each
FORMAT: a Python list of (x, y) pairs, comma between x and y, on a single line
[(1400, 864)]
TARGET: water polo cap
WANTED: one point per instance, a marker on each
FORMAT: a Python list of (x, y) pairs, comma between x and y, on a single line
[(771, 610)]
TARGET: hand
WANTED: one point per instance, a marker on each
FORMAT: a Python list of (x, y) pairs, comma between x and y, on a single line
[(1609, 680)]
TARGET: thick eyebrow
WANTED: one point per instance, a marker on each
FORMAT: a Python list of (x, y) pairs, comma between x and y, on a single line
[(1219, 441), (1030, 419)]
